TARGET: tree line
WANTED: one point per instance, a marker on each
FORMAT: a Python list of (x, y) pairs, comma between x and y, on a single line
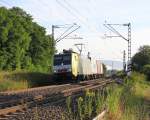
[(23, 43), (141, 60)]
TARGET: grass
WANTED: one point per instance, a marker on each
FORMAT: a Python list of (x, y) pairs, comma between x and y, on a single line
[(113, 102), (87, 106), (128, 101), (124, 102), (17, 80)]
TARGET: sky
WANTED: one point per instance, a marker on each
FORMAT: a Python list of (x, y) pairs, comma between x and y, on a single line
[(90, 15)]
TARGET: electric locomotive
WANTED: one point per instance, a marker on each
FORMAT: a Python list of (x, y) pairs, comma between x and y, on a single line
[(72, 66), (65, 65)]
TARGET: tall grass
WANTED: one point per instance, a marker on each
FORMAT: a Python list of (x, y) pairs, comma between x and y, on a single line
[(22, 79), (99, 102), (126, 102), (68, 103), (85, 105), (91, 104), (113, 102)]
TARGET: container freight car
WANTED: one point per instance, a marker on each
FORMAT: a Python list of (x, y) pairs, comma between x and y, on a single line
[(84, 68), (70, 65)]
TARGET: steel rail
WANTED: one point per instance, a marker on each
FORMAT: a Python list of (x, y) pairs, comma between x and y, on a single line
[(51, 99)]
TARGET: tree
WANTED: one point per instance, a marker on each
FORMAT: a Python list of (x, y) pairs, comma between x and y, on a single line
[(41, 48), (141, 58), (23, 43), (146, 70), (104, 69)]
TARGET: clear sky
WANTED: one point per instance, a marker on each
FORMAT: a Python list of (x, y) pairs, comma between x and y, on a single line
[(91, 15)]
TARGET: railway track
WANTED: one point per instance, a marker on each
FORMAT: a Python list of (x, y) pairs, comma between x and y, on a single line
[(26, 99)]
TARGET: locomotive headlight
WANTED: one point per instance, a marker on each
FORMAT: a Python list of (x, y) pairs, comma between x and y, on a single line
[(55, 71)]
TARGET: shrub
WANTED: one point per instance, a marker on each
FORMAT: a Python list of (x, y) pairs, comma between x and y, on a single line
[(146, 70)]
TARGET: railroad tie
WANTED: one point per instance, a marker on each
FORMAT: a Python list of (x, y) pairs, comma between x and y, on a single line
[(18, 113), (10, 115), (3, 118)]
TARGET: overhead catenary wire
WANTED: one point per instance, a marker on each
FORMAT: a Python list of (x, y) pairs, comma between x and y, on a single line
[(68, 34), (115, 31), (76, 11), (5, 3), (76, 15), (64, 32)]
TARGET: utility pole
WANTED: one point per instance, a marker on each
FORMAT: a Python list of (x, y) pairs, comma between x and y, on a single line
[(129, 42), (112, 65), (124, 61), (129, 69), (53, 32), (128, 39)]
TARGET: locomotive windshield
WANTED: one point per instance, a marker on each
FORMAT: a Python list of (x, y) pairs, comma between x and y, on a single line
[(57, 60), (67, 59), (64, 59)]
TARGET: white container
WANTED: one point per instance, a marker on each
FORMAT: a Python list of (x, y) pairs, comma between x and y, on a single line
[(84, 67)]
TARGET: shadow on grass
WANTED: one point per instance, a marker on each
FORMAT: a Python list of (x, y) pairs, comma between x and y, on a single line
[(34, 79), (135, 106)]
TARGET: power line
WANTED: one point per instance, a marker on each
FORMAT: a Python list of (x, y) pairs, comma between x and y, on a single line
[(6, 3), (77, 12), (64, 32), (68, 34), (66, 8), (112, 29), (76, 15)]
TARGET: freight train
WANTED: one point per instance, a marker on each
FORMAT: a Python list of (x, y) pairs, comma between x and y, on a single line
[(71, 66)]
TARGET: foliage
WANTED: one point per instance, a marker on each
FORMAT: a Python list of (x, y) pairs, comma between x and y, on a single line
[(24, 44), (99, 101), (141, 58), (87, 106), (133, 97), (16, 80), (104, 69), (124, 102), (113, 101), (80, 108), (13, 85), (68, 102), (146, 70), (88, 103)]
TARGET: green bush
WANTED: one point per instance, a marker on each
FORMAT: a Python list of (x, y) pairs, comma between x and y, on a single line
[(141, 58), (146, 70)]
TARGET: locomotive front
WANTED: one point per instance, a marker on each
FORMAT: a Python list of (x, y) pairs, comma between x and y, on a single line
[(62, 65), (65, 66)]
